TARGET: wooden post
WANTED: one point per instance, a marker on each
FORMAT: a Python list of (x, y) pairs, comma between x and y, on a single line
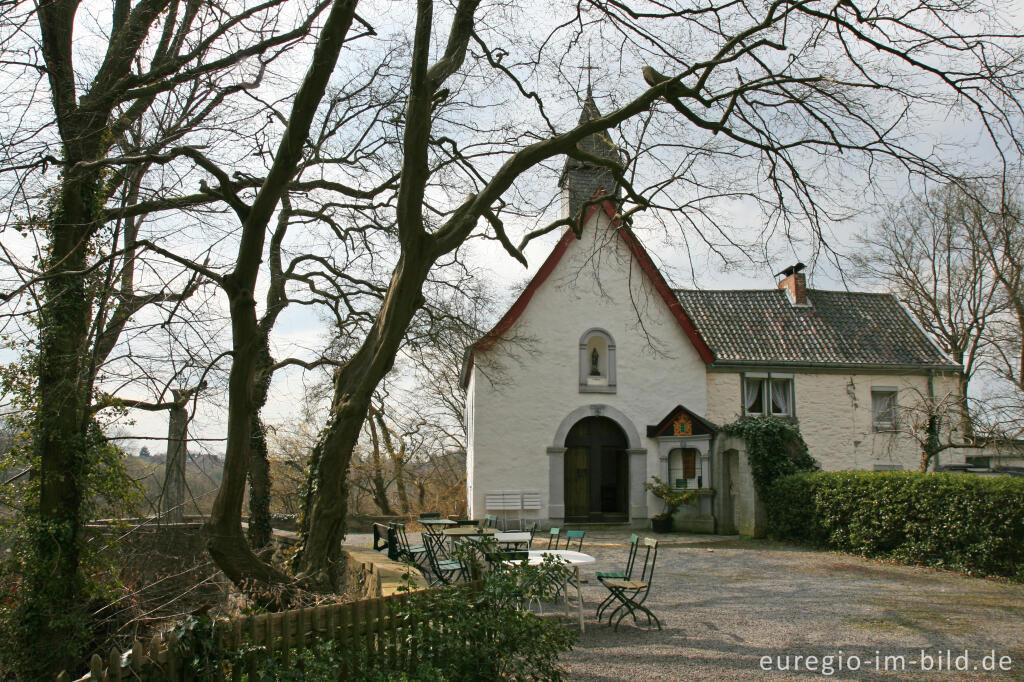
[(174, 671), (138, 656)]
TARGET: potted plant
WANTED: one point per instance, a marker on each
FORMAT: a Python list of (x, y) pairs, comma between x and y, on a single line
[(673, 499)]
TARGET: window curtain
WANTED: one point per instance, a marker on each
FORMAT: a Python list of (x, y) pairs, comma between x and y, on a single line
[(780, 397), (882, 412), (751, 392)]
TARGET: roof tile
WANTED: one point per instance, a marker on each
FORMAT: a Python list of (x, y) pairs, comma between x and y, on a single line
[(838, 327)]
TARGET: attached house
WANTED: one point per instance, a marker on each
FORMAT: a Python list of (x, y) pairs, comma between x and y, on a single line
[(601, 375)]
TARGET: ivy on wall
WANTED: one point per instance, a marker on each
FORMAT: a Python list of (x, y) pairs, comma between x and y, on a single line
[(775, 448)]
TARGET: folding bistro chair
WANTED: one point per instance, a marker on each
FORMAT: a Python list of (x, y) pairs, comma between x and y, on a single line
[(430, 515), (490, 521), (433, 536), (576, 536), (415, 554), (634, 541), (445, 571), (532, 530), (631, 594), (554, 537)]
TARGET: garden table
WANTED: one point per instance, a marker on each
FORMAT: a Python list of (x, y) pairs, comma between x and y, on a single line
[(433, 529), (574, 559)]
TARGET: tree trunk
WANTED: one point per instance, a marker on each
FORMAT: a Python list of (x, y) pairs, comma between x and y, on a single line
[(379, 487), (225, 541), (397, 462), (53, 604), (260, 529), (966, 423), (323, 523), (174, 469)]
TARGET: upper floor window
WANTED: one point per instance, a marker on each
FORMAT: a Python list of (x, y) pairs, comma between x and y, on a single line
[(597, 362), (883, 408), (768, 394)]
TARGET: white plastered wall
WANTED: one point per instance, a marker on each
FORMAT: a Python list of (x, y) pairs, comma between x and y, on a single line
[(834, 412), (522, 390)]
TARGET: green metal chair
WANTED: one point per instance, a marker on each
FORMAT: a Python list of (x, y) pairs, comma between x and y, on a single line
[(490, 521), (631, 594), (574, 536), (532, 530), (634, 542), (430, 515), (554, 537), (414, 554), (444, 570)]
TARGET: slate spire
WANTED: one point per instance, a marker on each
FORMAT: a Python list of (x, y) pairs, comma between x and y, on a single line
[(581, 179)]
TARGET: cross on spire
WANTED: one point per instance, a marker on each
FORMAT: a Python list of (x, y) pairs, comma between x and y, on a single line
[(589, 68)]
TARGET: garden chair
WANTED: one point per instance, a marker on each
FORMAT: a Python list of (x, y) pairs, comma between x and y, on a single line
[(490, 521), (572, 536), (414, 554), (467, 522), (554, 537), (430, 515), (445, 570), (433, 536), (631, 594), (634, 541), (532, 530)]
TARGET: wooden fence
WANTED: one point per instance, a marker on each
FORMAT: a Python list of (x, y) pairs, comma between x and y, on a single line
[(369, 627)]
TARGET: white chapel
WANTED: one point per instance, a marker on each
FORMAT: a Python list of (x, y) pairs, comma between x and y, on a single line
[(602, 375)]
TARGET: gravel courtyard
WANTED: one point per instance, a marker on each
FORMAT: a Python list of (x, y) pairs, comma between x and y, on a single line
[(725, 603)]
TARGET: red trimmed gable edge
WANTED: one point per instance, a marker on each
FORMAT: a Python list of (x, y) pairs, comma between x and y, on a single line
[(489, 339)]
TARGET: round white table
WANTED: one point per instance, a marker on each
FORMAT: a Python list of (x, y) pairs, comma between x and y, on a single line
[(574, 559)]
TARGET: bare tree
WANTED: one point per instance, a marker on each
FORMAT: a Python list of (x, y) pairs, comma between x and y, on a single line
[(796, 96), (952, 256), (153, 56), (930, 252), (785, 105)]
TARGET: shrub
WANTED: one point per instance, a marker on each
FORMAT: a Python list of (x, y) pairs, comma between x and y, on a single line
[(775, 448), (450, 634), (966, 523)]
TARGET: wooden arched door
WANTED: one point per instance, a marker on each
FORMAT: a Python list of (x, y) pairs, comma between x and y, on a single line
[(596, 471)]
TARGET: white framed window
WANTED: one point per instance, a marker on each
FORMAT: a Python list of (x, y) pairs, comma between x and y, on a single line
[(883, 408), (684, 468), (768, 394), (597, 362)]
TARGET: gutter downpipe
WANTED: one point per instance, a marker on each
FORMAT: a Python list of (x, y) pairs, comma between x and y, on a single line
[(933, 421)]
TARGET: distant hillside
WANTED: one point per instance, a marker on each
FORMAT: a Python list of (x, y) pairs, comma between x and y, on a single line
[(202, 478)]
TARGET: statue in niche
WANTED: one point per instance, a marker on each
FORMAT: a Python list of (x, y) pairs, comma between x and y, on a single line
[(594, 358)]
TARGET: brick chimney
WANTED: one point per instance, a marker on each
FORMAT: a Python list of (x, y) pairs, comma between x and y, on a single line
[(795, 283)]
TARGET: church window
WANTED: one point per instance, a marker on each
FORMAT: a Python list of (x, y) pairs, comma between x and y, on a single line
[(597, 362)]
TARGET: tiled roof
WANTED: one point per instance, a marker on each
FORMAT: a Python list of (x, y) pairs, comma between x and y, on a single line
[(838, 327)]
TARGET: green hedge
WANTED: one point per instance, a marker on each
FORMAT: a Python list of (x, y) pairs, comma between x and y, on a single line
[(965, 523)]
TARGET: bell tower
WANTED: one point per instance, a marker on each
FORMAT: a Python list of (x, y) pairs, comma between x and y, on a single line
[(580, 180)]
